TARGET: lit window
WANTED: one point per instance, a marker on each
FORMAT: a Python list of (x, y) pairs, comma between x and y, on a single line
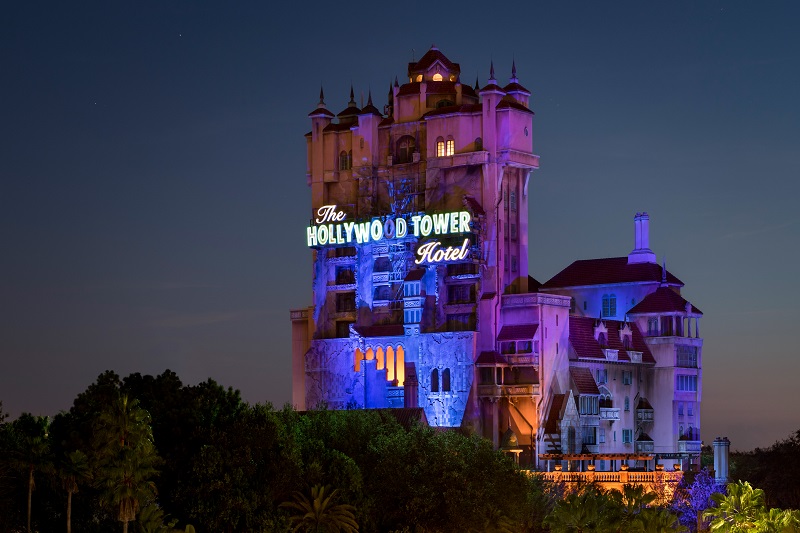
[(439, 147), (451, 147), (437, 77), (419, 77)]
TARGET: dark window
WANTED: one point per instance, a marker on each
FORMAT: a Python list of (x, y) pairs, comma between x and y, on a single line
[(524, 346), (382, 264), (478, 144), (435, 380), (342, 160), (382, 292), (461, 322), (345, 275), (460, 269), (460, 294), (405, 149), (343, 328), (345, 302), (686, 356), (508, 347), (513, 200), (446, 380), (609, 305)]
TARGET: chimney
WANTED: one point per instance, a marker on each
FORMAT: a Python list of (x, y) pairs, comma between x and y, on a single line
[(641, 240), (721, 451)]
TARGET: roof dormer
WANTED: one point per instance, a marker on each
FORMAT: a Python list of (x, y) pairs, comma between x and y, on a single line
[(433, 66)]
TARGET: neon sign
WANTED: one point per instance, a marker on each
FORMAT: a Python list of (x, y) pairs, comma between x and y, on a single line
[(331, 228)]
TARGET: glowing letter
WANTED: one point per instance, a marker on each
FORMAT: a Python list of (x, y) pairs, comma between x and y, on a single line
[(362, 232), (376, 230), (463, 221), (322, 234), (425, 225), (440, 223), (328, 213), (454, 222), (348, 228), (415, 219), (402, 228), (312, 236), (388, 228)]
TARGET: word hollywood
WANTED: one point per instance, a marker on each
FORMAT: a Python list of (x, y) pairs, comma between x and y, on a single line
[(332, 228)]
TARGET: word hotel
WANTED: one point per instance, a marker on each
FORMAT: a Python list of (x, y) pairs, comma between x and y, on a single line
[(422, 297)]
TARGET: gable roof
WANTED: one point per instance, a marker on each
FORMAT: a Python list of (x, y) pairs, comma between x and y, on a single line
[(517, 332), (581, 338), (491, 358), (429, 58), (663, 300), (583, 380), (556, 408), (608, 271)]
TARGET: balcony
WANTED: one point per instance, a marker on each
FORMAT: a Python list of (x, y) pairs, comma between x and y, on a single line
[(645, 446), (644, 415), (590, 420), (299, 314), (609, 413), (689, 446), (509, 391), (529, 359)]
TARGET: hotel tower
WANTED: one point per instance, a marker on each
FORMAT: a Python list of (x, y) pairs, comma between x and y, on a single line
[(418, 232)]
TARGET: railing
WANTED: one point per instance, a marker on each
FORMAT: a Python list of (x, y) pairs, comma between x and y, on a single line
[(512, 391), (298, 314), (522, 360), (590, 420), (689, 446), (611, 477), (644, 415), (609, 413), (645, 446)]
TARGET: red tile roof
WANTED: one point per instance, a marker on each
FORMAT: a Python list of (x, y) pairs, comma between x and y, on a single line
[(451, 109), (663, 300), (513, 104), (608, 271), (415, 275), (517, 332), (440, 87), (473, 205), (581, 338), (320, 111), (643, 404), (515, 87), (409, 88), (491, 358), (583, 380), (430, 57), (551, 426)]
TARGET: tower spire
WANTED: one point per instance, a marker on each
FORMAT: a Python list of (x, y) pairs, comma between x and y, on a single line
[(321, 97), (477, 85), (513, 72), (491, 73), (352, 96), (664, 271)]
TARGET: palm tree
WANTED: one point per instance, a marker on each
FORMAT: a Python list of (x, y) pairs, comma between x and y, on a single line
[(630, 503), (123, 440), (321, 514), (657, 521), (74, 469), (32, 451), (583, 512), (738, 512)]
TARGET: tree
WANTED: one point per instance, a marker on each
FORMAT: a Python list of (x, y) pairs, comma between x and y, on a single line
[(74, 470), (31, 451), (739, 511), (320, 514), (127, 459), (583, 511)]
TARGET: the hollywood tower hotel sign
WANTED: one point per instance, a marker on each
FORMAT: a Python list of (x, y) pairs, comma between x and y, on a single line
[(332, 228)]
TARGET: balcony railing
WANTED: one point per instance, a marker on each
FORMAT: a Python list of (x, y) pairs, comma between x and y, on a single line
[(644, 415), (509, 391), (689, 446), (609, 413), (590, 420), (299, 314), (645, 446), (529, 359)]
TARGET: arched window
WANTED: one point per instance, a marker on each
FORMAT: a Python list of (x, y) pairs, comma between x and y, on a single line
[(379, 358), (609, 305), (389, 364), (680, 431), (601, 339), (435, 380), (478, 144), (400, 368), (405, 149), (451, 147), (446, 380), (513, 200), (444, 103), (439, 147), (359, 356), (437, 77), (342, 160)]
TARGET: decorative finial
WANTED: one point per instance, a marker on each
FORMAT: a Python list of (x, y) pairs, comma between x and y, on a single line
[(491, 72), (369, 97), (352, 96), (477, 85), (321, 96), (395, 82), (664, 271), (513, 68)]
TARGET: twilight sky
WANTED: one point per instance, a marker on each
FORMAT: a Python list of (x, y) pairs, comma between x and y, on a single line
[(152, 175)]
